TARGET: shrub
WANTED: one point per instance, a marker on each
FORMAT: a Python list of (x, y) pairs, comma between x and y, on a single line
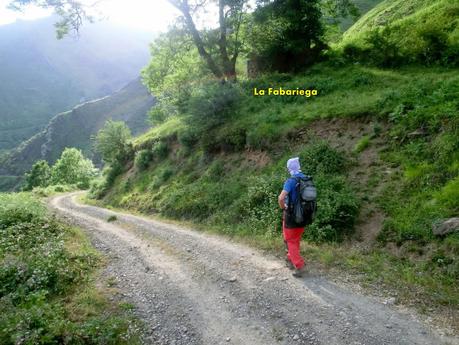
[(319, 157), (188, 137), (38, 273), (234, 139), (97, 189), (112, 172), (435, 46), (112, 141), (211, 104), (112, 218), (337, 207), (143, 159), (160, 150), (353, 52), (73, 168), (382, 51), (38, 176), (260, 211), (160, 178)]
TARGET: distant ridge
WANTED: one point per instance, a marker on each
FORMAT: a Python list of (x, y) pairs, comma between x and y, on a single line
[(42, 76), (74, 128)]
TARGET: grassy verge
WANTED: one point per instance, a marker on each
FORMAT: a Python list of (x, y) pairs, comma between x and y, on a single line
[(48, 278)]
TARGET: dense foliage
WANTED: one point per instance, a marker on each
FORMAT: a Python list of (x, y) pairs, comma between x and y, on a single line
[(111, 141), (72, 168), (405, 32), (39, 274), (39, 175), (288, 35)]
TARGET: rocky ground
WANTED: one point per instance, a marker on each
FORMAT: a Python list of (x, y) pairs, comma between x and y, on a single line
[(193, 288)]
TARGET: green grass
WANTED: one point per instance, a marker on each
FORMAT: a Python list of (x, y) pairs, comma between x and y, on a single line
[(424, 284), (48, 274), (362, 144), (410, 30)]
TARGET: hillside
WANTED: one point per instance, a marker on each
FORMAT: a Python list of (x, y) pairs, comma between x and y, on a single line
[(368, 133), (42, 76), (74, 128), (414, 29), (364, 6)]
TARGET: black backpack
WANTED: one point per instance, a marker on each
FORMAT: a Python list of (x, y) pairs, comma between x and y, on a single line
[(302, 212)]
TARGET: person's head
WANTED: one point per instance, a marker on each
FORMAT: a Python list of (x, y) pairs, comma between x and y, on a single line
[(293, 165)]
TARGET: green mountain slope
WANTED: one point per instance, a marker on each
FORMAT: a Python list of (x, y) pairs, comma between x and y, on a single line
[(415, 27), (364, 6), (74, 129), (42, 76)]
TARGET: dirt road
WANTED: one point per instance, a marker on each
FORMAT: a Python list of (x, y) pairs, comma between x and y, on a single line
[(192, 288)]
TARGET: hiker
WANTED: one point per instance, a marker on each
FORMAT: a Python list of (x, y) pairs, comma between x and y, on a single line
[(291, 231)]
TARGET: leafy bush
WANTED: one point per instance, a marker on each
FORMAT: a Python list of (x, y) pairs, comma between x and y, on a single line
[(188, 137), (319, 157), (353, 52), (143, 159), (112, 141), (260, 210), (337, 207), (38, 176), (73, 168), (382, 50), (99, 187), (37, 272), (160, 150), (211, 104)]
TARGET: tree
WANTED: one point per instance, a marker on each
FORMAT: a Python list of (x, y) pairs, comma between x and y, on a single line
[(112, 141), (287, 35), (73, 168), (228, 45), (38, 176), (230, 18), (71, 12)]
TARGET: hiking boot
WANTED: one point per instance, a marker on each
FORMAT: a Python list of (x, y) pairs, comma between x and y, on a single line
[(299, 272)]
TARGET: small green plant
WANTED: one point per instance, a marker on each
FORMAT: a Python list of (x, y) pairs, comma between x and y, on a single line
[(112, 218), (377, 129), (362, 144)]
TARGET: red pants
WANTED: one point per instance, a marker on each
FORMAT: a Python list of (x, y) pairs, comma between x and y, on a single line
[(292, 238)]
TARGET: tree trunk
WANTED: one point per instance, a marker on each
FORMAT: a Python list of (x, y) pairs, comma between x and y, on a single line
[(185, 9), (229, 70)]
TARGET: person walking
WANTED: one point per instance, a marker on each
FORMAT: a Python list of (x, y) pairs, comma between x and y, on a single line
[(291, 231)]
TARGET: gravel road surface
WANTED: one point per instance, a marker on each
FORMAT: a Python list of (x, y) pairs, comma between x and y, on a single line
[(194, 288)]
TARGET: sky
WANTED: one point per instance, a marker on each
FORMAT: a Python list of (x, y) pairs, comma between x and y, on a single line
[(145, 15)]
